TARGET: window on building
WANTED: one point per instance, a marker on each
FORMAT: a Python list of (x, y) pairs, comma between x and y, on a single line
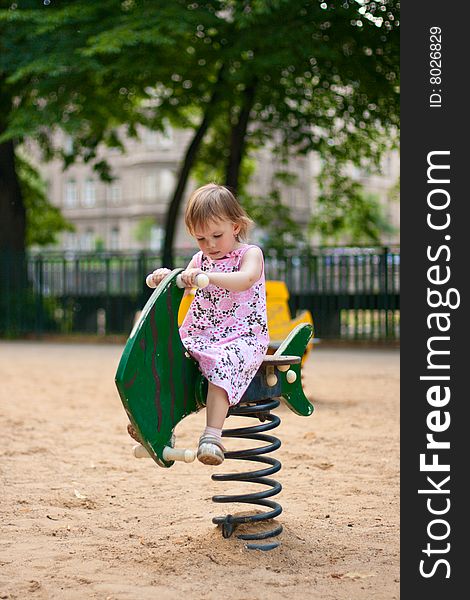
[(68, 144), (356, 173), (89, 195), (71, 194), (156, 238), (150, 138), (165, 137), (86, 240), (70, 241), (150, 187), (114, 193), (114, 239), (167, 183)]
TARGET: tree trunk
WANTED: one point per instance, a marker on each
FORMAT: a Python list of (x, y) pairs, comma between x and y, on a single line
[(238, 139), (174, 206), (190, 157), (13, 280), (12, 211)]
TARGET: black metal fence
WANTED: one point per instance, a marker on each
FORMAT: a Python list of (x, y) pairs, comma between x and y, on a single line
[(353, 293)]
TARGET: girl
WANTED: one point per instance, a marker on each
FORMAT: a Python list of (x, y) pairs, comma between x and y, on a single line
[(225, 329)]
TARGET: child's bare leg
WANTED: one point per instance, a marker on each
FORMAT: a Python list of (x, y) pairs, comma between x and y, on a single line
[(211, 450), (216, 406)]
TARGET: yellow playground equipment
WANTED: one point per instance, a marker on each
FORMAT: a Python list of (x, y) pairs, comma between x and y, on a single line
[(280, 321)]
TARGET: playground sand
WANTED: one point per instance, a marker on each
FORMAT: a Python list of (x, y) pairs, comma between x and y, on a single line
[(81, 518)]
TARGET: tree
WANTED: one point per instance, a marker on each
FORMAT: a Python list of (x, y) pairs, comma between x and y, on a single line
[(280, 231), (84, 68), (43, 220), (304, 75), (46, 85), (344, 211), (337, 96)]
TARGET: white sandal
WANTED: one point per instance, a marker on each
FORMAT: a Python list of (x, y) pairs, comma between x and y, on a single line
[(210, 450)]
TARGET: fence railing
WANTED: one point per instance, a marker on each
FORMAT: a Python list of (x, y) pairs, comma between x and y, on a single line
[(352, 292)]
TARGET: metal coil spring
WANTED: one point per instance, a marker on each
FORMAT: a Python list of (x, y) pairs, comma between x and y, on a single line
[(261, 410)]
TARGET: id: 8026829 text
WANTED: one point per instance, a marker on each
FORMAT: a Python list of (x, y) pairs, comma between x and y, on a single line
[(435, 67)]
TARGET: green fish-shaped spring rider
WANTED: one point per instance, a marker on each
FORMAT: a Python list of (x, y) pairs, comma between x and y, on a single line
[(160, 384)]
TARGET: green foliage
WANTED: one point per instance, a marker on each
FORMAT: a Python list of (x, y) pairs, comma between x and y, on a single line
[(143, 230), (99, 244), (394, 191), (344, 212), (88, 67), (44, 220), (280, 231), (324, 77)]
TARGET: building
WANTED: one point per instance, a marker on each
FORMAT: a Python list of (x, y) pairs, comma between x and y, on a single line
[(129, 213)]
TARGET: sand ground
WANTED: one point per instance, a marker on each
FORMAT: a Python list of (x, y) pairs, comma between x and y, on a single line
[(81, 518)]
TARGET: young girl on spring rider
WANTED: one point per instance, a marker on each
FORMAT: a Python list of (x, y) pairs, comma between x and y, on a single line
[(225, 329)]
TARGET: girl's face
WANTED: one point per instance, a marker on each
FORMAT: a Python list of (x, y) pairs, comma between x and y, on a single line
[(217, 238)]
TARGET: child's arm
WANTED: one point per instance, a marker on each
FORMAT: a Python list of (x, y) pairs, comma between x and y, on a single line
[(250, 271)]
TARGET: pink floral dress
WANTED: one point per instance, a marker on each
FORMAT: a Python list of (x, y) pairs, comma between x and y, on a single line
[(226, 332)]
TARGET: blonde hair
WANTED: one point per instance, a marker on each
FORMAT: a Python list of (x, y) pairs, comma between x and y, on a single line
[(213, 202)]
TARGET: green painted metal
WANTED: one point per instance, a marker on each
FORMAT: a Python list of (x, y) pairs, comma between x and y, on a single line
[(155, 379), (293, 395)]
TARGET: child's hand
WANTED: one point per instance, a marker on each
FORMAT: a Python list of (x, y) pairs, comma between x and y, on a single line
[(154, 278), (189, 277)]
